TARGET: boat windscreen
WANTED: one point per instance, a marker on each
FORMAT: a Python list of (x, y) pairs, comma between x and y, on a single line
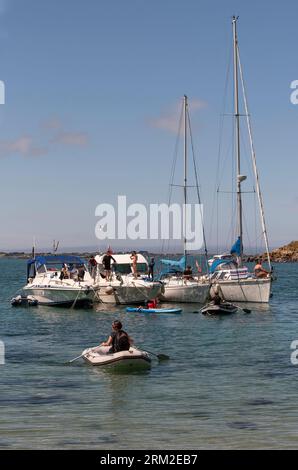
[(126, 268)]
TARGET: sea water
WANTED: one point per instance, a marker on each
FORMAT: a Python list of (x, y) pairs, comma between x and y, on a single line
[(229, 382)]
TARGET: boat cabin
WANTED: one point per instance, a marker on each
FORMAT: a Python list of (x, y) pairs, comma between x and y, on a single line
[(52, 265)]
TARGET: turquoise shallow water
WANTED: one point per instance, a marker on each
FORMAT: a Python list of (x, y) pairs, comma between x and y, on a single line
[(229, 383)]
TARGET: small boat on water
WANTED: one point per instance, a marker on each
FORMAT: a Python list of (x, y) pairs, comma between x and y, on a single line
[(153, 310), (134, 358), (59, 280), (24, 301), (222, 308), (123, 288)]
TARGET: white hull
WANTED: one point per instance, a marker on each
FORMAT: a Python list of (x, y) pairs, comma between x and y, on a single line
[(59, 296), (186, 293), (133, 293), (243, 290), (100, 357)]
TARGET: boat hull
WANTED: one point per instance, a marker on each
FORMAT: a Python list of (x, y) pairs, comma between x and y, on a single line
[(60, 296), (185, 293), (243, 290), (123, 360), (128, 294)]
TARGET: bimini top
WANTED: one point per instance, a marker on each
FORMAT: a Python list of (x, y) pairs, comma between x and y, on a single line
[(55, 259)]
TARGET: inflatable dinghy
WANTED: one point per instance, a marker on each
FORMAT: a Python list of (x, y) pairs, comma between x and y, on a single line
[(26, 301), (133, 358), (223, 308)]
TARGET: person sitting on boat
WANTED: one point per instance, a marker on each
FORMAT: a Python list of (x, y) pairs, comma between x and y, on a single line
[(187, 273), (81, 272), (64, 272), (259, 271), (118, 339), (106, 261), (73, 272)]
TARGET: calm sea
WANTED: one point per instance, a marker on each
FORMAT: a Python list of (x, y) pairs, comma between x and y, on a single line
[(229, 382)]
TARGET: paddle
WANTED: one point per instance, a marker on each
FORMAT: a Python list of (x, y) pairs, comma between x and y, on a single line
[(160, 357), (78, 357), (245, 310), (72, 360)]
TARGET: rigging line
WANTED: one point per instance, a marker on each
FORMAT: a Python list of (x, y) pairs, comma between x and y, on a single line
[(219, 152), (173, 168), (197, 187), (254, 161)]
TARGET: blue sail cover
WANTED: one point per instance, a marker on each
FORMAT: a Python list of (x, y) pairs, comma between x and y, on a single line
[(174, 263), (217, 262), (236, 248)]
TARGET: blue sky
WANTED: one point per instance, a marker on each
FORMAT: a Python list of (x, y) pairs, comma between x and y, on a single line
[(92, 89)]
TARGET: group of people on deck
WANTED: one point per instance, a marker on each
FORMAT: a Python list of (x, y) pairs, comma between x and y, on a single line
[(107, 261)]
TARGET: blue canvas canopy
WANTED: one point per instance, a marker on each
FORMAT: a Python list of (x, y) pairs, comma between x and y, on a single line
[(55, 259)]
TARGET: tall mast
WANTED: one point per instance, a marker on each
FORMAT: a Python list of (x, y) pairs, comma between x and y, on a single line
[(185, 105), (237, 139)]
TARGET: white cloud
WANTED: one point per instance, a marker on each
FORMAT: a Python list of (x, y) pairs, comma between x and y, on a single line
[(23, 146), (71, 138), (169, 119)]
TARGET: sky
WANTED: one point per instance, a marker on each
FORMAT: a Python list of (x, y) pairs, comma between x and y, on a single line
[(92, 96)]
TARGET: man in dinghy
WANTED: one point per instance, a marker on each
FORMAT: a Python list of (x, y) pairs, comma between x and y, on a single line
[(118, 339)]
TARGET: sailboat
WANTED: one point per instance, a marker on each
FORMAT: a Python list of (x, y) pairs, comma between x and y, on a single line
[(229, 277), (179, 287)]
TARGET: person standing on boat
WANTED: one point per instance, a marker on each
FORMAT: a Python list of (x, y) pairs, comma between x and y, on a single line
[(118, 339), (151, 269), (134, 258), (93, 266), (106, 261), (259, 271)]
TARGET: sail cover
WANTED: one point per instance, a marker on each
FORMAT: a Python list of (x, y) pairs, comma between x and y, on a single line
[(236, 248), (174, 263)]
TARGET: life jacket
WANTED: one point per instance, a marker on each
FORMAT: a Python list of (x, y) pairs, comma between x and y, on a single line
[(122, 342)]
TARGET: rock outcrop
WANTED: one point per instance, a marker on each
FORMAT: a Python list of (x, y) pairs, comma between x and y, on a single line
[(285, 254)]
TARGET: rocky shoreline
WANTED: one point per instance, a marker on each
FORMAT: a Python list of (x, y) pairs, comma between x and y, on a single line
[(285, 254)]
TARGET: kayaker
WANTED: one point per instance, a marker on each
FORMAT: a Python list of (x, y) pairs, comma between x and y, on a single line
[(118, 339)]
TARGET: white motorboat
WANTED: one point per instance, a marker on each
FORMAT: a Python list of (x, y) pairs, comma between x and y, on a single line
[(48, 285), (132, 359), (229, 277), (123, 287)]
